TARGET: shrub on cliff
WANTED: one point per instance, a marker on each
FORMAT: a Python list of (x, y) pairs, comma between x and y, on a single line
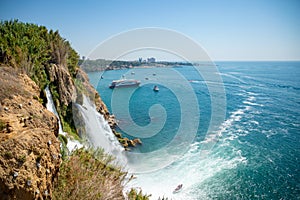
[(31, 48), (90, 174)]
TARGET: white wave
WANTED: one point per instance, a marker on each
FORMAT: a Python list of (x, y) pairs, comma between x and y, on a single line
[(251, 103), (191, 170), (232, 76), (252, 93), (251, 98), (194, 169), (254, 122)]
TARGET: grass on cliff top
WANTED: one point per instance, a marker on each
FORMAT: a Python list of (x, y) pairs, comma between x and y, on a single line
[(90, 174)]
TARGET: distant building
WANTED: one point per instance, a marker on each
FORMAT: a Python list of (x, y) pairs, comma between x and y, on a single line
[(151, 60), (140, 60)]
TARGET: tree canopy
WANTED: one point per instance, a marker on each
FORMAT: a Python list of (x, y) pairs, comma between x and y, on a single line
[(31, 48)]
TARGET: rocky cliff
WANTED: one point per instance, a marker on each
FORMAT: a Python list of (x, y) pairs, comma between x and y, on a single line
[(31, 57), (29, 148)]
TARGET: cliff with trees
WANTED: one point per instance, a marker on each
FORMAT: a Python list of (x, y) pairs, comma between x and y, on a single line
[(32, 57)]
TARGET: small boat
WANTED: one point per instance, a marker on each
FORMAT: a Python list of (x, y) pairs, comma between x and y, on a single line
[(132, 73), (178, 188), (124, 83), (156, 89)]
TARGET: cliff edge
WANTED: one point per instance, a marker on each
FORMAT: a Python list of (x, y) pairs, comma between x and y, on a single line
[(32, 58), (29, 148)]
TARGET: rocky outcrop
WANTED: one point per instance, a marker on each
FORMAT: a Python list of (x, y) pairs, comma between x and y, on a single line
[(62, 79), (29, 148)]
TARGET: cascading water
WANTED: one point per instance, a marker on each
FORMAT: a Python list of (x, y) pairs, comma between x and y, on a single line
[(72, 144), (98, 131), (51, 107)]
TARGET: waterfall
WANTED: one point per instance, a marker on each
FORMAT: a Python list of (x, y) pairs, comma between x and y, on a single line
[(98, 131), (72, 144), (51, 107)]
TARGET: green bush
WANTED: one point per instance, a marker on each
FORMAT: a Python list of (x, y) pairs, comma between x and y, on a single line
[(89, 174), (134, 195)]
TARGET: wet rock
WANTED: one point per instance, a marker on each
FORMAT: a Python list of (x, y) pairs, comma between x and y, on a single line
[(137, 141), (127, 149), (118, 135), (131, 143), (124, 142)]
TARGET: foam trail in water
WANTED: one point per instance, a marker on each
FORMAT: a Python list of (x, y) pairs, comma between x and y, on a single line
[(72, 144), (99, 133), (191, 170)]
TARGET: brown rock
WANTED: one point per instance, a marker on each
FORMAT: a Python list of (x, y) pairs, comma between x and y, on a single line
[(25, 145), (131, 143), (137, 141), (61, 77)]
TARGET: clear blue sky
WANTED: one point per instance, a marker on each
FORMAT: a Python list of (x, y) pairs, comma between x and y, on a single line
[(227, 29)]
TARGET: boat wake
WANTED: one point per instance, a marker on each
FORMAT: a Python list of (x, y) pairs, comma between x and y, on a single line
[(194, 170)]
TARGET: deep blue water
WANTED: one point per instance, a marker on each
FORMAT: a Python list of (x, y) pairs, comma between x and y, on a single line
[(256, 155)]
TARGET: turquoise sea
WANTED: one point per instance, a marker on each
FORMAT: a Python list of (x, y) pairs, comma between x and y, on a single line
[(256, 151)]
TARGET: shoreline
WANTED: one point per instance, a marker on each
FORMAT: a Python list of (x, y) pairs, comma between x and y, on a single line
[(107, 65)]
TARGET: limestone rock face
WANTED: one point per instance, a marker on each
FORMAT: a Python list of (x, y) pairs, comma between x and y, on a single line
[(64, 82), (29, 148)]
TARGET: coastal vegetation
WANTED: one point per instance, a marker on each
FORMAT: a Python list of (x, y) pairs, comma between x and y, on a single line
[(30, 50), (90, 174), (33, 49)]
